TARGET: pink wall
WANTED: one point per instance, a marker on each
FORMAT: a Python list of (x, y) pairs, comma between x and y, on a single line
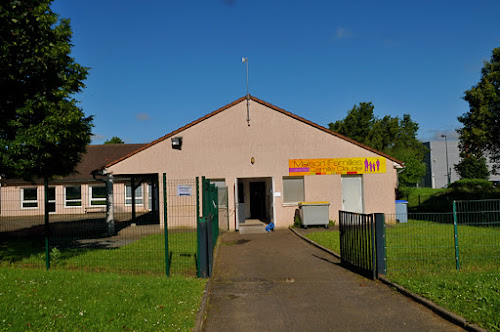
[(11, 200), (221, 147)]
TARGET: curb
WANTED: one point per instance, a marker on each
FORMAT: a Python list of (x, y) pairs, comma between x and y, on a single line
[(448, 315), (315, 244), (202, 312)]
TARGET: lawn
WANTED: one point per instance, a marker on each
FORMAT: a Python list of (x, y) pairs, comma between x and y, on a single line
[(421, 257), (140, 256), (76, 300)]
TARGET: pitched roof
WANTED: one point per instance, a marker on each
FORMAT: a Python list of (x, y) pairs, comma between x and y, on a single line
[(99, 155), (296, 117), (95, 157)]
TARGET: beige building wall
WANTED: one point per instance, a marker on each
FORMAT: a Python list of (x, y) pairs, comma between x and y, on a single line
[(11, 200), (222, 146)]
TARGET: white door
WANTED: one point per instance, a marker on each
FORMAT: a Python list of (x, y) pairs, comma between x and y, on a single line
[(352, 193)]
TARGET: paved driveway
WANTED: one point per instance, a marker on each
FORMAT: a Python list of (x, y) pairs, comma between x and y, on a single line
[(279, 282)]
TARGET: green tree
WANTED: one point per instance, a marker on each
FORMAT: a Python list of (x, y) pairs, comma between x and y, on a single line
[(471, 167), (43, 132), (114, 140), (392, 135), (481, 124)]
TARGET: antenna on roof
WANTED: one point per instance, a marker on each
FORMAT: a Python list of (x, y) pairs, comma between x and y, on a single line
[(245, 60)]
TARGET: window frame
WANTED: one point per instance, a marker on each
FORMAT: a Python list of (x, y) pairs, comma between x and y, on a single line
[(99, 199), (293, 203), (137, 198), (29, 201), (66, 200)]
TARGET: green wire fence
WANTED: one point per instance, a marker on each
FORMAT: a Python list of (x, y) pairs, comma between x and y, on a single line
[(468, 238)]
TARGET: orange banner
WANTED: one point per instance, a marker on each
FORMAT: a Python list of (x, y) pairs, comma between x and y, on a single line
[(370, 165)]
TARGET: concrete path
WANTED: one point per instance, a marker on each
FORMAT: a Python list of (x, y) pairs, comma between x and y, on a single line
[(279, 282)]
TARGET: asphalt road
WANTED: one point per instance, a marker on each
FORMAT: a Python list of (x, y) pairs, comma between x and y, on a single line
[(279, 282)]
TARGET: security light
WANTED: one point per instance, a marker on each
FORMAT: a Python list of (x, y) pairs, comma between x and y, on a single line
[(176, 143)]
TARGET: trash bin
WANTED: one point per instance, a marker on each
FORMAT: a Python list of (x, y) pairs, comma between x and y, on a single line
[(314, 213), (401, 211)]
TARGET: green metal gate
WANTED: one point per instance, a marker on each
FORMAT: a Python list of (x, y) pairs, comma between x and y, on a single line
[(208, 228)]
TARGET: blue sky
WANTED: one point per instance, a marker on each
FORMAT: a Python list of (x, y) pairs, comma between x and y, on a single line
[(158, 65)]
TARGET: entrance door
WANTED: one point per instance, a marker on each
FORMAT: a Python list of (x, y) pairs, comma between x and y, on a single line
[(352, 193), (258, 200)]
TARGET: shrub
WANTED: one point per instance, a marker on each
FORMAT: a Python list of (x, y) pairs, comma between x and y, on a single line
[(296, 221), (471, 185)]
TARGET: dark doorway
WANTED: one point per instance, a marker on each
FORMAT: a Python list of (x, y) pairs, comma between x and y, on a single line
[(258, 200)]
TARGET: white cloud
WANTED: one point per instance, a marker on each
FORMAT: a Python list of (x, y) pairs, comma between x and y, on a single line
[(143, 116), (97, 137), (343, 33), (435, 135)]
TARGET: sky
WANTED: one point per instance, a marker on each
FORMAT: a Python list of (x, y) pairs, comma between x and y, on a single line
[(158, 65)]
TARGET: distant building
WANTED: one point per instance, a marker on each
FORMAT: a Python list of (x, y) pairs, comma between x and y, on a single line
[(435, 160)]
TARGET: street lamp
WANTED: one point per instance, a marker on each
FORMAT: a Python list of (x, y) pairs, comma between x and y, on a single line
[(447, 167)]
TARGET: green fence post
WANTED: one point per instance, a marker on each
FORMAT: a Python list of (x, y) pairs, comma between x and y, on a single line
[(198, 228), (165, 225), (46, 216), (455, 228)]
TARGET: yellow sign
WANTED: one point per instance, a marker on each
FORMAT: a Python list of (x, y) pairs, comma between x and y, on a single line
[(370, 165)]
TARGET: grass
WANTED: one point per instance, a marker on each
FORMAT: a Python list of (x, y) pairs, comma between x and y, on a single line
[(419, 196), (142, 256), (75, 300), (474, 295), (421, 257)]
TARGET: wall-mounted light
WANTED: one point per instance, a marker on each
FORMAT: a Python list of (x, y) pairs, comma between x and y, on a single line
[(176, 143), (252, 160)]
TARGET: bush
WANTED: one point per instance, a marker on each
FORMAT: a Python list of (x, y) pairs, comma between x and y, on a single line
[(473, 185)]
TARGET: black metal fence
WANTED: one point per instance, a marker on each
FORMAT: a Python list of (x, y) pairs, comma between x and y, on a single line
[(362, 242)]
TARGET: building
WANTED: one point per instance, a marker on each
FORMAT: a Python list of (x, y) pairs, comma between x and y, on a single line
[(79, 193), (270, 160), (435, 160)]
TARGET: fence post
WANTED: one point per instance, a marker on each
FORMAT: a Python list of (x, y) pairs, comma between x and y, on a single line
[(210, 244), (46, 217), (198, 233), (380, 243), (165, 225), (374, 247), (455, 229), (202, 248)]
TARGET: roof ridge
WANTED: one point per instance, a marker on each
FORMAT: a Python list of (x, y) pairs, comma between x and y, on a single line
[(237, 101)]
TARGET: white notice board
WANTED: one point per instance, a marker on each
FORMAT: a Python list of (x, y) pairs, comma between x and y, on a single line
[(184, 190)]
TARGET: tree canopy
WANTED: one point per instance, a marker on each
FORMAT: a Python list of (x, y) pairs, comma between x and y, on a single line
[(114, 140), (392, 135), (479, 135), (471, 167), (43, 132)]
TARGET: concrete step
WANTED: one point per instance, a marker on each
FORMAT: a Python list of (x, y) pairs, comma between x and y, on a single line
[(252, 226)]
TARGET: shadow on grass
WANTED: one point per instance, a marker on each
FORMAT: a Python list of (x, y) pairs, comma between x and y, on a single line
[(26, 243)]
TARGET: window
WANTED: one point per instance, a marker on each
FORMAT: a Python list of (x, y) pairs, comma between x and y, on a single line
[(72, 196), (29, 198), (52, 199), (128, 195), (293, 189), (98, 195), (221, 191)]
